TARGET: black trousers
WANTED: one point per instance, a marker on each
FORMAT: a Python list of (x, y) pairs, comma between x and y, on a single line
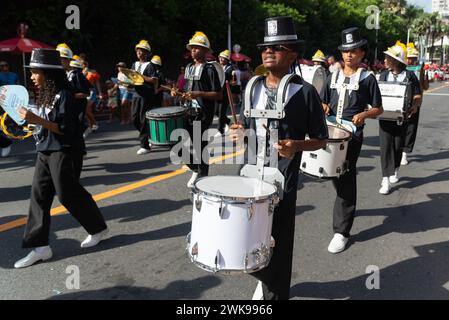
[(346, 187), (58, 173), (140, 106), (276, 277), (223, 119), (411, 131), (4, 141), (391, 138)]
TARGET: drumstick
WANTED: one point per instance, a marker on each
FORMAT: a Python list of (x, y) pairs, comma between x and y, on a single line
[(177, 92), (266, 128), (231, 102)]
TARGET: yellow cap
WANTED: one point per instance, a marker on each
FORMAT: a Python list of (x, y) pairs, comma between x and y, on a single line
[(156, 60), (76, 62), (64, 51), (412, 52), (199, 39), (398, 52), (143, 44), (319, 56), (225, 54)]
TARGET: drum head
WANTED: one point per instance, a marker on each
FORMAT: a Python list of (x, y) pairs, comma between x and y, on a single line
[(235, 187), (337, 134), (166, 112)]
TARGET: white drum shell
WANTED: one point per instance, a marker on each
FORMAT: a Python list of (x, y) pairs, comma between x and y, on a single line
[(231, 235)]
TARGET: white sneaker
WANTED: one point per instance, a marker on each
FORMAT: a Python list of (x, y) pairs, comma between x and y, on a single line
[(86, 132), (5, 152), (404, 160), (338, 243), (142, 151), (226, 129), (394, 178), (258, 293), (192, 180), (95, 127), (38, 254), (93, 240), (385, 186)]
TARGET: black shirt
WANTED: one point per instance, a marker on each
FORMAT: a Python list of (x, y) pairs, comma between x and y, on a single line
[(304, 115), (368, 93), (208, 82), (78, 84), (228, 77), (65, 115), (146, 90)]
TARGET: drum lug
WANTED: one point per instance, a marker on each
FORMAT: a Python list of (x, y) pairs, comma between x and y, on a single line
[(246, 261), (272, 242), (342, 146), (250, 211), (217, 261), (304, 165), (198, 204), (194, 251), (220, 210)]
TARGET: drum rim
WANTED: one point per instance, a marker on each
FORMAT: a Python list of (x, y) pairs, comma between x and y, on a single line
[(168, 115), (234, 200), (340, 139), (200, 265)]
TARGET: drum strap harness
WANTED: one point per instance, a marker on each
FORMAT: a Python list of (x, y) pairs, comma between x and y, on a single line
[(269, 174), (343, 88)]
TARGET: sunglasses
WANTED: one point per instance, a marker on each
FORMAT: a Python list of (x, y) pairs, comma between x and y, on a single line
[(275, 48)]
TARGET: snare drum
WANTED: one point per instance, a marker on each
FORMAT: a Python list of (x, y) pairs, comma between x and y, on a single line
[(329, 162), (315, 75), (231, 224), (163, 121), (395, 100)]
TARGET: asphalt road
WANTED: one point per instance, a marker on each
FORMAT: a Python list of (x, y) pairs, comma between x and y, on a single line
[(404, 234)]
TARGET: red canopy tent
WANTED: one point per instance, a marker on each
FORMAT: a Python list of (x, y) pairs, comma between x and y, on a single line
[(21, 45)]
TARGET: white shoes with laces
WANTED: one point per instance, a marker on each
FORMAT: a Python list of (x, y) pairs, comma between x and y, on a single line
[(5, 151), (36, 255), (404, 160), (142, 151), (394, 178), (338, 243)]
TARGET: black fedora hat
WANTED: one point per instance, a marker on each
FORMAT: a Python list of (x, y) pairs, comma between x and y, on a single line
[(351, 39), (280, 30), (45, 59)]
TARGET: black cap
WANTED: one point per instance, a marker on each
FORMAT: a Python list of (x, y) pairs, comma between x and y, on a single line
[(280, 30), (351, 39), (45, 59)]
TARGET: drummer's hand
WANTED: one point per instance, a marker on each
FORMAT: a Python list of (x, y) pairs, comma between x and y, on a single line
[(412, 111), (27, 115), (173, 92), (326, 109), (236, 132), (287, 148), (359, 119)]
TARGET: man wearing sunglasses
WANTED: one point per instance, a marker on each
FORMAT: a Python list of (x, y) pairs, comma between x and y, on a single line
[(303, 116)]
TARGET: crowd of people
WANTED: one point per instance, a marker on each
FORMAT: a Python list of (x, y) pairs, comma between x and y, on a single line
[(69, 89)]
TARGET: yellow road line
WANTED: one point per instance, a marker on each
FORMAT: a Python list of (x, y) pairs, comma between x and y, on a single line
[(435, 89), (114, 192)]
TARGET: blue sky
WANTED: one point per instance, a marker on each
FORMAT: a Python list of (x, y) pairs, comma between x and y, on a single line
[(426, 4)]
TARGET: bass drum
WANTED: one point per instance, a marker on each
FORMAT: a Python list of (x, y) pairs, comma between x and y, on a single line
[(315, 75)]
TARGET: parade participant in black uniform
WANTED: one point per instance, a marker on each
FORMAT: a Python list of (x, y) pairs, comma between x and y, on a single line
[(156, 61), (59, 157), (353, 107), (303, 116), (203, 89), (78, 83), (412, 123), (223, 120), (144, 99), (320, 59), (392, 135)]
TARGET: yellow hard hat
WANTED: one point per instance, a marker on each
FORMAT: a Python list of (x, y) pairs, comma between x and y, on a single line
[(412, 52), (64, 51), (156, 60), (143, 44), (398, 52), (199, 39), (76, 62), (319, 56), (225, 54)]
